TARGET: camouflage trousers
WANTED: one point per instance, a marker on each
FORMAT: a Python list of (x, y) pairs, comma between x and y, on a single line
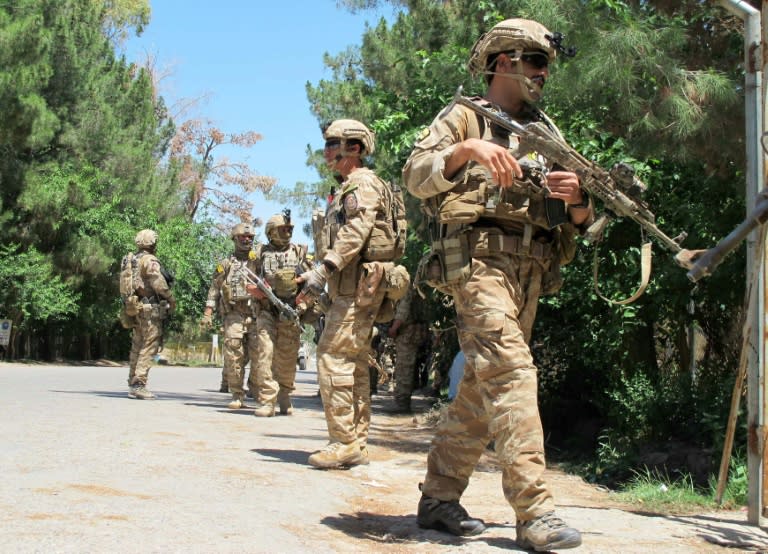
[(342, 368), (497, 397), (409, 339), (278, 349), (145, 344), (240, 345)]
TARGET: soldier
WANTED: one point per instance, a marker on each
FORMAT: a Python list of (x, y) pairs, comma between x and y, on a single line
[(358, 238), (231, 294), (409, 329), (495, 253), (148, 300), (279, 339)]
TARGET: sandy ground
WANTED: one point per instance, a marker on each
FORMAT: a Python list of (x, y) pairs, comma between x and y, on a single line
[(86, 469)]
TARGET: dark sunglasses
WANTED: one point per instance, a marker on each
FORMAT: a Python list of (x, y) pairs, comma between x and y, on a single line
[(332, 143), (538, 60)]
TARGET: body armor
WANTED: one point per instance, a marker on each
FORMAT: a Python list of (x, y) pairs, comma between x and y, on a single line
[(278, 268)]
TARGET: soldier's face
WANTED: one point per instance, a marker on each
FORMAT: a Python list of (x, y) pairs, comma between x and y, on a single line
[(244, 241)]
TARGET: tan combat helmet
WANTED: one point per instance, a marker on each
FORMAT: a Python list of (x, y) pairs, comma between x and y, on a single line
[(351, 129), (514, 37), (145, 239), (272, 226), (242, 235)]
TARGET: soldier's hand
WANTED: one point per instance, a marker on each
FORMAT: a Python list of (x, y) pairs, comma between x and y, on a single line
[(255, 291), (502, 165), (314, 280)]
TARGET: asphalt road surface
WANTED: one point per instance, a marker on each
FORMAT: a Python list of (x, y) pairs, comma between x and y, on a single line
[(86, 469)]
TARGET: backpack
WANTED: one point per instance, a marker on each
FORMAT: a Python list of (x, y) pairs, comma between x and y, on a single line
[(130, 278)]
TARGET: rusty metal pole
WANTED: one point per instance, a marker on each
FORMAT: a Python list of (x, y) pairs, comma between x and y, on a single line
[(756, 361)]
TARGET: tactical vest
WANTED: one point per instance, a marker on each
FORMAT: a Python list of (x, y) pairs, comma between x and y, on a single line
[(474, 196), (233, 289), (280, 268)]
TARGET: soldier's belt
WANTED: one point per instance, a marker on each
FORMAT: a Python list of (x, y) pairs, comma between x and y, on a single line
[(481, 243)]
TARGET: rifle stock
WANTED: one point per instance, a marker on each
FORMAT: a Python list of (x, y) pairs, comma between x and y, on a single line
[(614, 188)]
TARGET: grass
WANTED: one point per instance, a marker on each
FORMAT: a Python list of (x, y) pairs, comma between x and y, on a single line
[(660, 493)]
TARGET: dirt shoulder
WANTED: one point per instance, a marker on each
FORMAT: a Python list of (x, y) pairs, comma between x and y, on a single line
[(87, 469)]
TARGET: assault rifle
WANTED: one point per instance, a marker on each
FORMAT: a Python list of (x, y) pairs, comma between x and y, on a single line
[(618, 189), (285, 310)]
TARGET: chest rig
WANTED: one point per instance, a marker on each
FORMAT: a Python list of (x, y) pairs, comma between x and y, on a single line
[(279, 268)]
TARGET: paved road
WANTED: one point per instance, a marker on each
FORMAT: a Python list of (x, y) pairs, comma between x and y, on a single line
[(86, 469)]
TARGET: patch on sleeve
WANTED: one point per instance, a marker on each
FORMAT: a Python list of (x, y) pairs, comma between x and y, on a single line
[(423, 134), (350, 203), (219, 268)]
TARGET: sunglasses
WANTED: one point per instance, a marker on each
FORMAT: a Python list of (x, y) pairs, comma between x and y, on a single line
[(332, 143), (539, 60)]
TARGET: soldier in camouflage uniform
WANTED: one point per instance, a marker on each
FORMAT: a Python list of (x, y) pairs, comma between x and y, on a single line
[(495, 251), (155, 301), (232, 295), (410, 330), (279, 338), (357, 241)]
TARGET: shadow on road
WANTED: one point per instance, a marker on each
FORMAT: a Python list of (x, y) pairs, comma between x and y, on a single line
[(298, 457)]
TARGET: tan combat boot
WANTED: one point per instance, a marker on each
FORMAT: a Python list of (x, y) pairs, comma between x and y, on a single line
[(140, 392), (545, 533), (337, 454), (264, 410), (238, 401), (284, 401)]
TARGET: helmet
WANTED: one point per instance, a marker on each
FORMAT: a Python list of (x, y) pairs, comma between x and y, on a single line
[(514, 37), (146, 238), (273, 223), (242, 229), (242, 235), (350, 129)]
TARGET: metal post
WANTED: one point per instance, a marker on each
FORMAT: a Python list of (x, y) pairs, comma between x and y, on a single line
[(755, 121)]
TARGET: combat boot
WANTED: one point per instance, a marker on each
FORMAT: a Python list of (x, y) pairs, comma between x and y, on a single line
[(264, 410), (447, 515), (238, 401), (224, 387), (337, 454), (284, 401), (140, 392), (547, 532)]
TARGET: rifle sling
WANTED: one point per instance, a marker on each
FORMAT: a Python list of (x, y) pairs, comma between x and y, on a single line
[(645, 274)]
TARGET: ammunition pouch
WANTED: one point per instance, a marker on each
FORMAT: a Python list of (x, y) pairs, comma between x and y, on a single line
[(283, 283), (396, 282), (131, 306), (448, 263), (127, 321), (380, 246)]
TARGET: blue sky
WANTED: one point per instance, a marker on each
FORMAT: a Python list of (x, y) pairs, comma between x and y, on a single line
[(251, 61)]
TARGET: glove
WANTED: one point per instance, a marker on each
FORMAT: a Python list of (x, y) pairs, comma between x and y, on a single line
[(206, 322), (314, 280)]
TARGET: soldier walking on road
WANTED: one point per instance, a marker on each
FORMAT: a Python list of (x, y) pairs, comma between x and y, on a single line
[(360, 240), (238, 308), (496, 251), (147, 301), (279, 339)]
